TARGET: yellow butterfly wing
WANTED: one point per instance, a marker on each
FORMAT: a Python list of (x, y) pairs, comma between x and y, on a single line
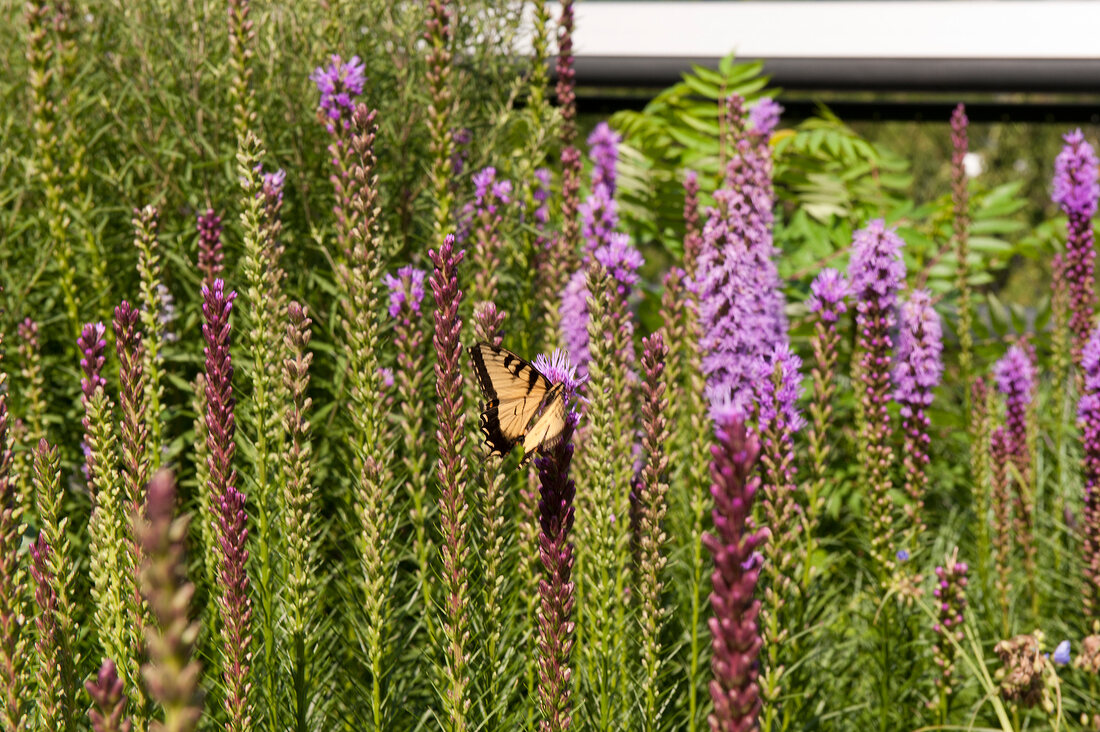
[(547, 429), (514, 391)]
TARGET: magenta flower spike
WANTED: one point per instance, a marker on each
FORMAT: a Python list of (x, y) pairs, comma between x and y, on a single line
[(108, 701), (735, 633), (229, 506), (451, 471)]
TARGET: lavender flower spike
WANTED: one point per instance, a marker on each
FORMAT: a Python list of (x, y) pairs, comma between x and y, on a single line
[(876, 273), (764, 116), (735, 635), (339, 83), (1088, 417), (828, 291), (171, 675), (950, 594), (1015, 374), (1076, 191), (603, 148), (917, 371)]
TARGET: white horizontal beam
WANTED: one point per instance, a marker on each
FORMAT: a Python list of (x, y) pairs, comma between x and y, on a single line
[(867, 29)]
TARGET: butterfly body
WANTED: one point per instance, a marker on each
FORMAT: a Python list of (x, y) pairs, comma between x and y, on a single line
[(516, 394)]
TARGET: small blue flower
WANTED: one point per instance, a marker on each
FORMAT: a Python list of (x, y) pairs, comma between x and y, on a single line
[(903, 555), (1061, 653)]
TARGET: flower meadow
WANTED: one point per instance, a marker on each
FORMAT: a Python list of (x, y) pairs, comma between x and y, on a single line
[(814, 473)]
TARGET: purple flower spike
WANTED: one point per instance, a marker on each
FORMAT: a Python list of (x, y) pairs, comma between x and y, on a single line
[(622, 261), (764, 117), (92, 347), (406, 290), (779, 405), (1015, 374), (557, 592), (210, 246), (876, 273), (919, 364), (950, 594), (229, 504), (574, 320), (1076, 191), (828, 291), (603, 148), (735, 635), (876, 270), (1088, 417), (917, 372), (339, 84)]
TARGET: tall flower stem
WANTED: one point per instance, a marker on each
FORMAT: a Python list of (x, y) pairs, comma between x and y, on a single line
[(917, 372), (46, 163), (53, 705), (233, 599), (734, 631), (134, 473), (171, 675), (451, 470), (1088, 418), (557, 592), (13, 641), (652, 501), (829, 290), (999, 455), (261, 199), (440, 58), (29, 349), (107, 527), (960, 210), (570, 155), (296, 511), (55, 571), (145, 240), (876, 274), (495, 546), (604, 529), (1076, 191)]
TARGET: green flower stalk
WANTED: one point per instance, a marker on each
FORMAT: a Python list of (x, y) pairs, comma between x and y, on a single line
[(242, 38), (495, 547), (135, 474), (451, 470), (980, 471), (358, 278), (1001, 499), (950, 594), (145, 240), (45, 166), (652, 502), (260, 204), (603, 557), (171, 675), (439, 35), (960, 228), (297, 513), (410, 382), (108, 700), (829, 290), (208, 525), (690, 501), (34, 410), (107, 530), (54, 572), (52, 703), (571, 162), (13, 673)]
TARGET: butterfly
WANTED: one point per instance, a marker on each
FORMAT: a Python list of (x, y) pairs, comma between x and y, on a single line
[(515, 393)]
